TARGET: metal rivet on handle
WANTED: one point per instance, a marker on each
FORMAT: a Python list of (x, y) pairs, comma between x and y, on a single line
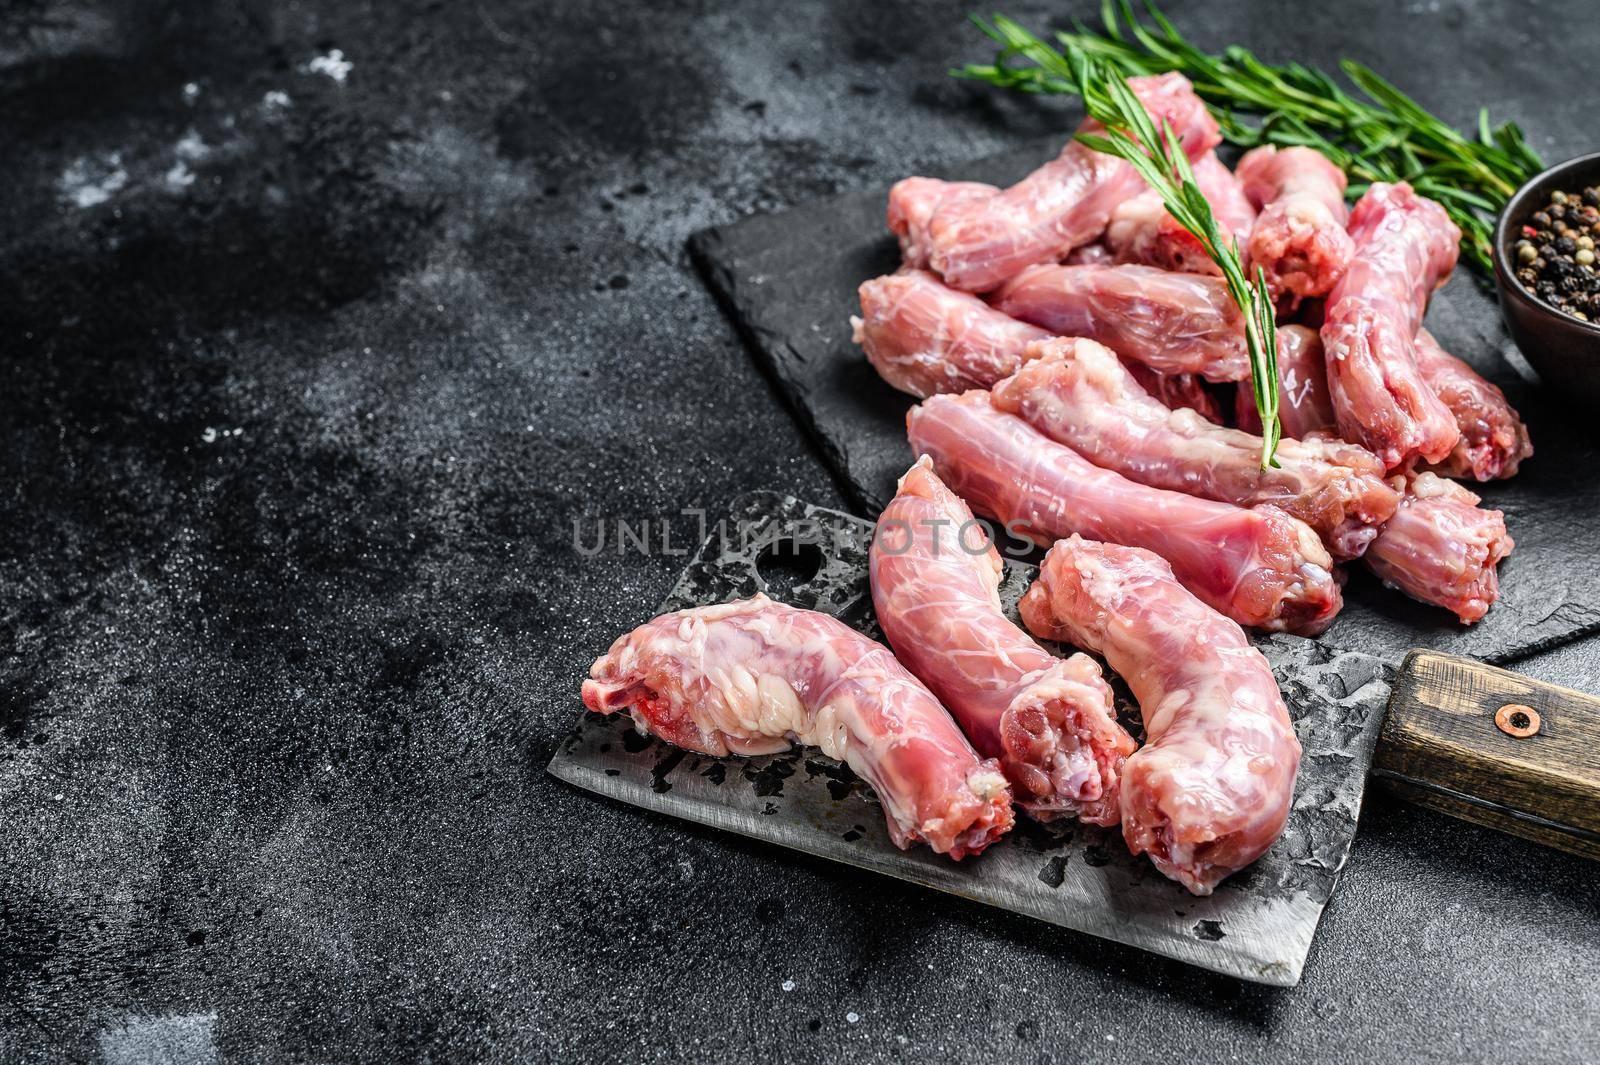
[(1515, 719)]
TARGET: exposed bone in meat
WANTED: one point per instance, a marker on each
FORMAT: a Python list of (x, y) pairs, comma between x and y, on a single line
[(924, 337), (912, 203), (1051, 722), (1142, 231), (979, 242), (1493, 439), (1211, 789), (1442, 548), (1259, 566), (1405, 246), (755, 677), (1096, 254), (1299, 240), (1078, 394)]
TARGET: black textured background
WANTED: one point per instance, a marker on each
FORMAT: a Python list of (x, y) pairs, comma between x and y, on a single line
[(301, 400)]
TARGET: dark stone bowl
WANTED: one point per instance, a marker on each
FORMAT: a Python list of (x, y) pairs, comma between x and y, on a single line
[(1565, 351)]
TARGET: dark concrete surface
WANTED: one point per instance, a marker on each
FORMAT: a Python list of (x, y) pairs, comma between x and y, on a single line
[(307, 381)]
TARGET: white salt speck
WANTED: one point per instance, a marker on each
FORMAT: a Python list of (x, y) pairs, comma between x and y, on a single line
[(902, 1040), (89, 182), (58, 796), (787, 985), (333, 64), (191, 92), (276, 99), (209, 436), (191, 146), (852, 1016)]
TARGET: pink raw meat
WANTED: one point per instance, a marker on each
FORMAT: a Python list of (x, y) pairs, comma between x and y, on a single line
[(1096, 254), (1141, 230), (1051, 722), (1259, 566), (1405, 246), (924, 337), (1210, 790), (755, 677), (1493, 439), (1078, 394), (1176, 390), (979, 242), (1442, 548), (1299, 240), (1303, 403), (912, 203), (1172, 322)]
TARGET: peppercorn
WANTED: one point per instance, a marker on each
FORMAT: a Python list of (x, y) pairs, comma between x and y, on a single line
[(1557, 254)]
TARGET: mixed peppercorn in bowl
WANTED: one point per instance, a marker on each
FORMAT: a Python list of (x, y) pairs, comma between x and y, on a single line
[(1547, 269)]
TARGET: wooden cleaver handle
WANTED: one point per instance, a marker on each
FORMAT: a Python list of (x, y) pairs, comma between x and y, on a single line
[(1496, 748)]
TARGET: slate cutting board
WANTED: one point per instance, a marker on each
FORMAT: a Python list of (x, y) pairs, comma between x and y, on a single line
[(789, 280), (1258, 924)]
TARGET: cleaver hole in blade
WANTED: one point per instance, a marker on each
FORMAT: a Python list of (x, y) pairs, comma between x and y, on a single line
[(785, 566)]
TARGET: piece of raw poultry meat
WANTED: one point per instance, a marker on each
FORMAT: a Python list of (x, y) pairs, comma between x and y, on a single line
[(1077, 393), (1441, 547), (912, 203), (1177, 390), (755, 677), (978, 242), (924, 337), (1405, 247), (1142, 231), (1299, 240), (1259, 566), (1304, 406), (1211, 789), (1172, 322), (1051, 722), (1493, 439)]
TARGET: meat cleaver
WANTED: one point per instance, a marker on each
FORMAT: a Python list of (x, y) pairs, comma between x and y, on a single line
[(1471, 740)]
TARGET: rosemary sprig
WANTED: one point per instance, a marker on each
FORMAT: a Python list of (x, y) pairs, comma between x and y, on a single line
[(1385, 136), (1158, 156)]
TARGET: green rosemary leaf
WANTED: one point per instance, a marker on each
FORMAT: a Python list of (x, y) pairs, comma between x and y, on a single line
[(1157, 155)]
